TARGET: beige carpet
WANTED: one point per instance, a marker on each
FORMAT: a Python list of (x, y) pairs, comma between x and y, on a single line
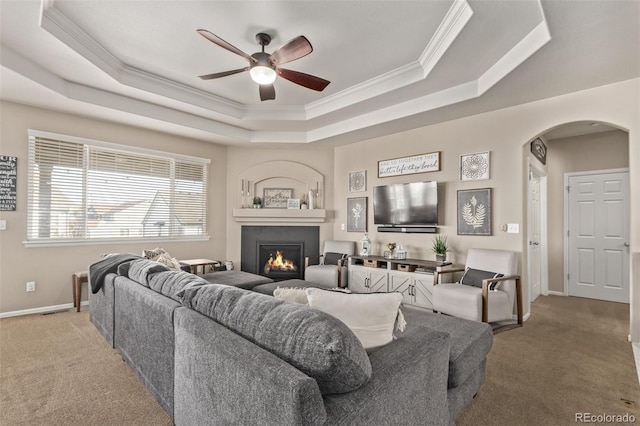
[(571, 356)]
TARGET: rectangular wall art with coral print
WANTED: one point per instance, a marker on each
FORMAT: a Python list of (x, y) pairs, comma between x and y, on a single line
[(474, 212), (475, 166)]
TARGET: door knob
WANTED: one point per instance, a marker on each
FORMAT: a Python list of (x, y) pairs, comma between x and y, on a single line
[(627, 245)]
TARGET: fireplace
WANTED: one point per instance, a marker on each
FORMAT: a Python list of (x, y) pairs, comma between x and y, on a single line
[(278, 252), (281, 261)]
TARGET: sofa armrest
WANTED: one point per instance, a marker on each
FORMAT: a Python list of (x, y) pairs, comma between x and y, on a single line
[(408, 384)]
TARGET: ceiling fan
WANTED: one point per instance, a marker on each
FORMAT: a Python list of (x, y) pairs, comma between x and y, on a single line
[(264, 67)]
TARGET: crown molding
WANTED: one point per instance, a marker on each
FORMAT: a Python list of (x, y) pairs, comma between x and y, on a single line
[(457, 17)]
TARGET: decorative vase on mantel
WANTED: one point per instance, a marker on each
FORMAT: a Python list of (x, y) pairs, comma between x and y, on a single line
[(312, 200)]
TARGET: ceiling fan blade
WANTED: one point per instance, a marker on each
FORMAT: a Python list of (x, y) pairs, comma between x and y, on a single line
[(225, 45), (307, 80), (267, 92), (223, 74), (292, 50)]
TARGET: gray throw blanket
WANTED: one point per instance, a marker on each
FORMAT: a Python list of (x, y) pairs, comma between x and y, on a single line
[(109, 264)]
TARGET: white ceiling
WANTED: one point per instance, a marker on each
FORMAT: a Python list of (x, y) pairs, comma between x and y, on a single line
[(393, 65)]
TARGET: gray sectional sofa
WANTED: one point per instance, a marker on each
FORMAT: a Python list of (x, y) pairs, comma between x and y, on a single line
[(223, 354)]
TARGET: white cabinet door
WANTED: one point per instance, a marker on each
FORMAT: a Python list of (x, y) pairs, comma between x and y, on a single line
[(358, 278), (367, 280), (422, 290), (401, 282), (377, 281)]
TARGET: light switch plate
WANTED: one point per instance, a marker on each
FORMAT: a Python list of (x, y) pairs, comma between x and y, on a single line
[(513, 228), (3, 225)]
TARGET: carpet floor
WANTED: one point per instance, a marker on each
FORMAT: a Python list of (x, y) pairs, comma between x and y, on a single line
[(571, 357)]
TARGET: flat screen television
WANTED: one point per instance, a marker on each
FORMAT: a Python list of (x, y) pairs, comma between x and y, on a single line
[(406, 204)]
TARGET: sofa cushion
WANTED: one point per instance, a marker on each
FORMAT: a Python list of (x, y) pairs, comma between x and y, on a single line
[(169, 283), (372, 317), (314, 342), (470, 341), (238, 279), (139, 270), (474, 277)]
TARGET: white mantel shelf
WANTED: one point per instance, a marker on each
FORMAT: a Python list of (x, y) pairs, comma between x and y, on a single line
[(279, 215)]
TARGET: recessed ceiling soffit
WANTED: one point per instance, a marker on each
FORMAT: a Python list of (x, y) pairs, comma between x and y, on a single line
[(238, 120)]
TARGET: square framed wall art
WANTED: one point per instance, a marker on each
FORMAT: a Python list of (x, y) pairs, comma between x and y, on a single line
[(357, 214), (474, 212), (358, 181), (475, 166)]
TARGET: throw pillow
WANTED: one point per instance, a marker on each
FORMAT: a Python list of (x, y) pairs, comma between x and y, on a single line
[(140, 269), (331, 258), (314, 342), (159, 254), (474, 277), (371, 317), (295, 295)]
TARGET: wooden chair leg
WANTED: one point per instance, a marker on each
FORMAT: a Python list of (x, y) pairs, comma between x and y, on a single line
[(519, 302), (73, 286)]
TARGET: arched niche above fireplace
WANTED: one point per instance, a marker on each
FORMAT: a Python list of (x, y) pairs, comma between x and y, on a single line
[(279, 174)]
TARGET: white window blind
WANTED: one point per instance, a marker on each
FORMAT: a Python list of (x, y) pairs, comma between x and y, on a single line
[(81, 190)]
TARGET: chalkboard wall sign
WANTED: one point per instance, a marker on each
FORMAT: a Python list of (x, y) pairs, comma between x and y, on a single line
[(8, 172)]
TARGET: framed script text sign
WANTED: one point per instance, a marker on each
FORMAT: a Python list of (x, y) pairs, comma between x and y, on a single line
[(409, 165), (8, 173), (276, 198)]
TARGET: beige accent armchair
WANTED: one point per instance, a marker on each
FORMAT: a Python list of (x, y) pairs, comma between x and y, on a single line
[(332, 264), (482, 303)]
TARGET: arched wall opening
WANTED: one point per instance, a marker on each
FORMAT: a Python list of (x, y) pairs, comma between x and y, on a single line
[(579, 146)]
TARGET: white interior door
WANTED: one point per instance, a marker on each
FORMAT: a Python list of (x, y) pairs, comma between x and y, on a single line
[(535, 236), (598, 235)]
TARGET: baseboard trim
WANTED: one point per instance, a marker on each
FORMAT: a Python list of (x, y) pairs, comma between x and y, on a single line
[(42, 310), (555, 293)]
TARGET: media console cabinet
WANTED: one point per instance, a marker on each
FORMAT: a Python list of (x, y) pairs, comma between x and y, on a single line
[(413, 278)]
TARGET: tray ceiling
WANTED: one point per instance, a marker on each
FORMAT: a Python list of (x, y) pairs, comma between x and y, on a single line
[(394, 63)]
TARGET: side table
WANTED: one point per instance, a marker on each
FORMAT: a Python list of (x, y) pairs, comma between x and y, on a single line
[(195, 263)]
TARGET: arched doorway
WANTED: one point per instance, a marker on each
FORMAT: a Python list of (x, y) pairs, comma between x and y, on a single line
[(571, 148)]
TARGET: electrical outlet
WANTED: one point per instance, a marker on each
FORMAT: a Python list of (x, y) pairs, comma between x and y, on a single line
[(513, 228), (3, 225), (31, 286), (342, 226)]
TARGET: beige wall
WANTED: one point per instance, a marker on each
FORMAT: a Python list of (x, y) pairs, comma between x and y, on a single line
[(506, 133), (51, 267), (600, 151), (241, 159)]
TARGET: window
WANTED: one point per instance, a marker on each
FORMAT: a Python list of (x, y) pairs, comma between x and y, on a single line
[(83, 190)]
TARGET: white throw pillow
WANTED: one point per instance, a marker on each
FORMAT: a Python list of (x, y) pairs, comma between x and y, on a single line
[(371, 317), (295, 295)]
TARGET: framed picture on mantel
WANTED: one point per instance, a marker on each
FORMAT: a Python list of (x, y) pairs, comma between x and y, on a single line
[(276, 198)]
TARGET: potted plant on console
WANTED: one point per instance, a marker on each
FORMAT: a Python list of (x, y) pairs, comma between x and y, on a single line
[(257, 202), (440, 247)]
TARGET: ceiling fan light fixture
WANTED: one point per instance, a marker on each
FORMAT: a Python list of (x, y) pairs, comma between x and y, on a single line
[(263, 74)]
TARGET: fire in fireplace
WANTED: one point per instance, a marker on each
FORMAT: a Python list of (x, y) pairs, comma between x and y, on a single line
[(280, 261)]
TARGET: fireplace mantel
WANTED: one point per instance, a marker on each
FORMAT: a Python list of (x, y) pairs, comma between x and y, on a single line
[(279, 215)]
